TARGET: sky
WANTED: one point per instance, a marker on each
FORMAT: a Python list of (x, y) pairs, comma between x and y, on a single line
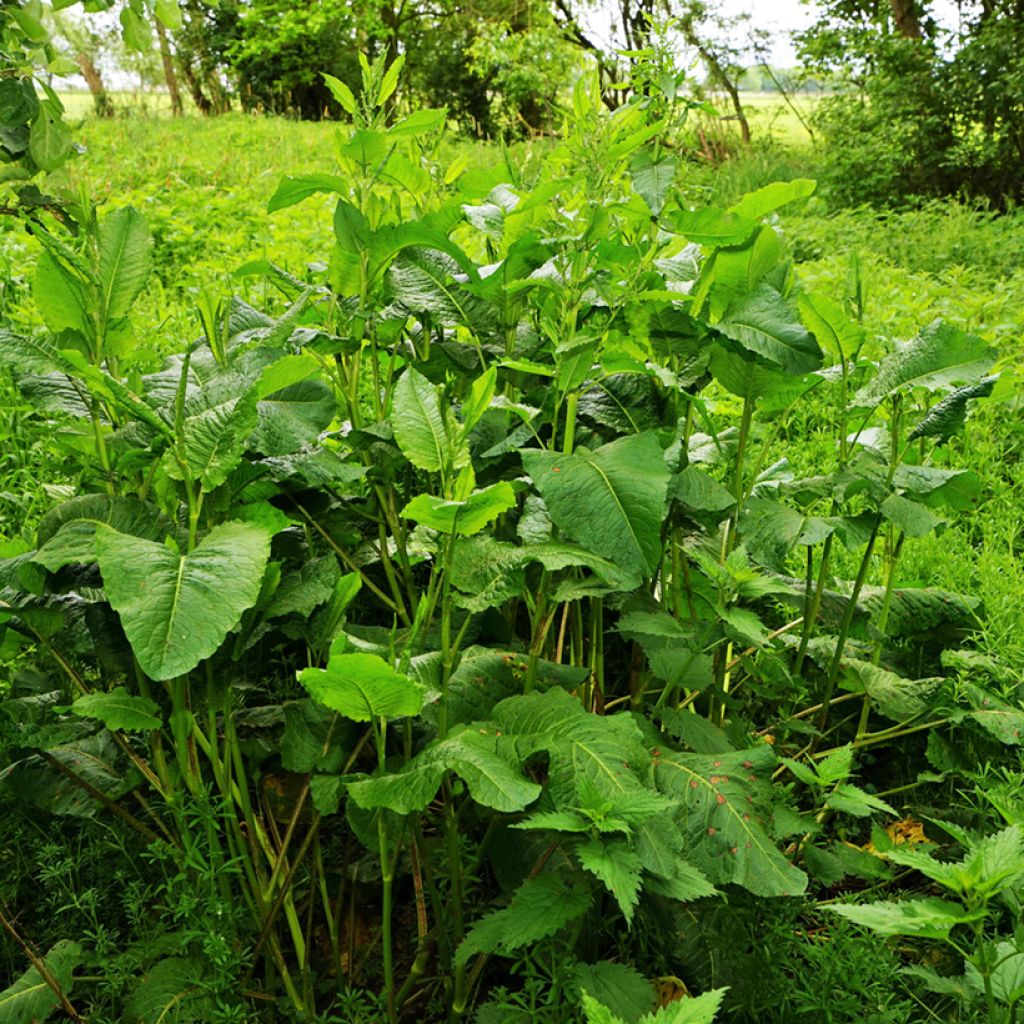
[(780, 18)]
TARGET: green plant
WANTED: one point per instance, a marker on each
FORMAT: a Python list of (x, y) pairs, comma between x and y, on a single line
[(458, 593), (988, 874)]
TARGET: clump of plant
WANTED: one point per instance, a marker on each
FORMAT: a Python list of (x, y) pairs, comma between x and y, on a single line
[(457, 613)]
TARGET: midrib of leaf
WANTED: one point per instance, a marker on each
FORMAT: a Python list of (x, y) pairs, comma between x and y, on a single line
[(109, 290), (621, 507), (22, 993), (177, 998), (430, 423), (174, 605)]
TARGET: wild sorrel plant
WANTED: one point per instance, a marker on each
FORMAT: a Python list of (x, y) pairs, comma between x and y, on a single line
[(484, 554)]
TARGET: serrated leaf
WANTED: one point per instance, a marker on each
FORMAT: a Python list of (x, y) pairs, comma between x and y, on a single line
[(119, 709), (611, 500), (540, 907), (177, 609), (850, 799), (700, 1009), (620, 987), (362, 687), (618, 867)]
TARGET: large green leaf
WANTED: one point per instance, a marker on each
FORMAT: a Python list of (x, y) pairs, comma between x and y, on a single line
[(713, 226), (176, 609), (294, 189), (49, 141), (214, 435), (721, 794), (62, 297), (293, 417), (462, 517), (940, 356), (420, 427), (125, 250), (618, 867), (362, 687), (943, 420), (493, 780), (170, 992), (769, 198), (30, 1000), (611, 501), (765, 323), (67, 534)]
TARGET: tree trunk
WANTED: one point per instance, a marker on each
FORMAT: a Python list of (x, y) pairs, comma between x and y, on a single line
[(93, 79), (203, 105), (170, 75), (907, 19)]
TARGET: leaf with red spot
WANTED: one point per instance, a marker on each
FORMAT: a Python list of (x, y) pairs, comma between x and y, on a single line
[(721, 795)]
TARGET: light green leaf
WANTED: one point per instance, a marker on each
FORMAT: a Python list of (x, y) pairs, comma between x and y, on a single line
[(49, 141), (126, 247), (835, 332), (135, 30), (362, 687), (850, 799), (30, 1000), (177, 609), (618, 867), (925, 919), (713, 226), (168, 12), (769, 198), (119, 709), (419, 426), (698, 1010), (294, 189), (652, 179), (462, 517), (913, 518), (62, 298), (620, 987), (611, 501)]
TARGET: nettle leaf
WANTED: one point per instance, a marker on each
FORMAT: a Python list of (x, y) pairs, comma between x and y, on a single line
[(688, 1010), (611, 500), (850, 799), (462, 517), (30, 999), (362, 687), (765, 323), (119, 709), (924, 919), (618, 867), (493, 780), (540, 907), (725, 839), (419, 426), (177, 609), (940, 356), (126, 249), (620, 987)]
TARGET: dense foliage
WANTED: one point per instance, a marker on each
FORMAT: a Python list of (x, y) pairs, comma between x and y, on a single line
[(927, 111)]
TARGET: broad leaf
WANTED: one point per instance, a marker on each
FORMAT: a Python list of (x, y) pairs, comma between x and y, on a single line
[(420, 427), (940, 356), (119, 709), (362, 687), (618, 867), (766, 324), (294, 189), (462, 517), (611, 501), (721, 794), (30, 1000), (125, 251), (177, 609)]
